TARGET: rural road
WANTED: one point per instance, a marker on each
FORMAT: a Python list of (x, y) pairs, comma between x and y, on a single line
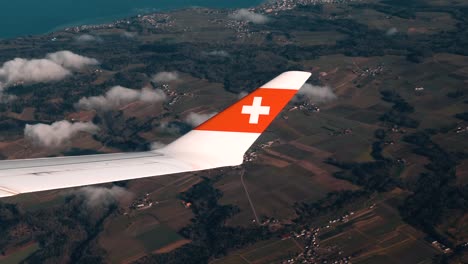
[(248, 197)]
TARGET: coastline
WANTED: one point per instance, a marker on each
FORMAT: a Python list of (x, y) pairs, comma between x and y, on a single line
[(112, 18)]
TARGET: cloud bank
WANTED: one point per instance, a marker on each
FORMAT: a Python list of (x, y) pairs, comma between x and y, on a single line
[(195, 119), (100, 197), (119, 96), (165, 77), (56, 134), (248, 16), (70, 60), (54, 67), (31, 71), (316, 94)]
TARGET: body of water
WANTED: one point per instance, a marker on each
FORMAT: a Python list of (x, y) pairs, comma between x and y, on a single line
[(30, 17)]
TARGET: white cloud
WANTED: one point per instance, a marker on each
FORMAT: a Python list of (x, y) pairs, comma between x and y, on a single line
[(157, 145), (88, 38), (165, 127), (70, 60), (392, 31), (100, 197), (31, 71), (165, 77), (246, 15), (195, 119), (217, 53), (54, 67), (119, 96), (58, 133), (316, 94)]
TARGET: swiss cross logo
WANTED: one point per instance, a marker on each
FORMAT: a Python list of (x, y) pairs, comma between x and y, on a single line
[(251, 114), (255, 110)]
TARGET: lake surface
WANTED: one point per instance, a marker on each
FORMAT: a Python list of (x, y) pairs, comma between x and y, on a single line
[(30, 17)]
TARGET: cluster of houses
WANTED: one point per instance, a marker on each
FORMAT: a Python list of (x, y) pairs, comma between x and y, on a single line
[(142, 203), (371, 71), (306, 107), (272, 7), (173, 95), (78, 29), (157, 20), (441, 247), (253, 155), (461, 129), (313, 253)]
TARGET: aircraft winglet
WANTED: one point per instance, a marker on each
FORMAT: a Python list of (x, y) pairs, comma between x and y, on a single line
[(224, 139)]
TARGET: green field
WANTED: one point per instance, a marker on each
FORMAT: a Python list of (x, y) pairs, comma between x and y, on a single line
[(158, 237), (20, 255), (273, 252)]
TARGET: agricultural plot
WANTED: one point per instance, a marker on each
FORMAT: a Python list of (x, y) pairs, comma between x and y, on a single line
[(316, 37), (158, 237), (379, 234), (266, 252), (19, 255)]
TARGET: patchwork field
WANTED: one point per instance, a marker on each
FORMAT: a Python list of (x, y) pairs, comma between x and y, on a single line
[(358, 50)]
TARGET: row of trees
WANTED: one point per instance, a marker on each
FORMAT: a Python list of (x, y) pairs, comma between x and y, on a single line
[(400, 111), (436, 196)]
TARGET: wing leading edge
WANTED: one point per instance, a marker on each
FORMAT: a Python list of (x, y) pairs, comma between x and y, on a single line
[(219, 142)]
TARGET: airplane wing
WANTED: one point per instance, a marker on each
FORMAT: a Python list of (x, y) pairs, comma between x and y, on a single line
[(219, 142)]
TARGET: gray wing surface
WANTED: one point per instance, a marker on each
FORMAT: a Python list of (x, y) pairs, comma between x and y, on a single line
[(31, 175)]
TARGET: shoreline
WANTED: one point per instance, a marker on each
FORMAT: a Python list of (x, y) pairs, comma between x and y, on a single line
[(115, 18)]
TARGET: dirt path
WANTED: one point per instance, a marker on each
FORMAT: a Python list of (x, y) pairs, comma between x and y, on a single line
[(172, 246)]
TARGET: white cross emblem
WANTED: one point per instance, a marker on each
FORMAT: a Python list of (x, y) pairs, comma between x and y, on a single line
[(255, 110)]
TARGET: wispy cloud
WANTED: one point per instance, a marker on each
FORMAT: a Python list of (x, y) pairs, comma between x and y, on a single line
[(316, 94), (195, 119), (129, 35), (217, 53), (87, 38), (58, 133), (165, 77), (391, 31), (100, 197), (119, 96), (249, 16)]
